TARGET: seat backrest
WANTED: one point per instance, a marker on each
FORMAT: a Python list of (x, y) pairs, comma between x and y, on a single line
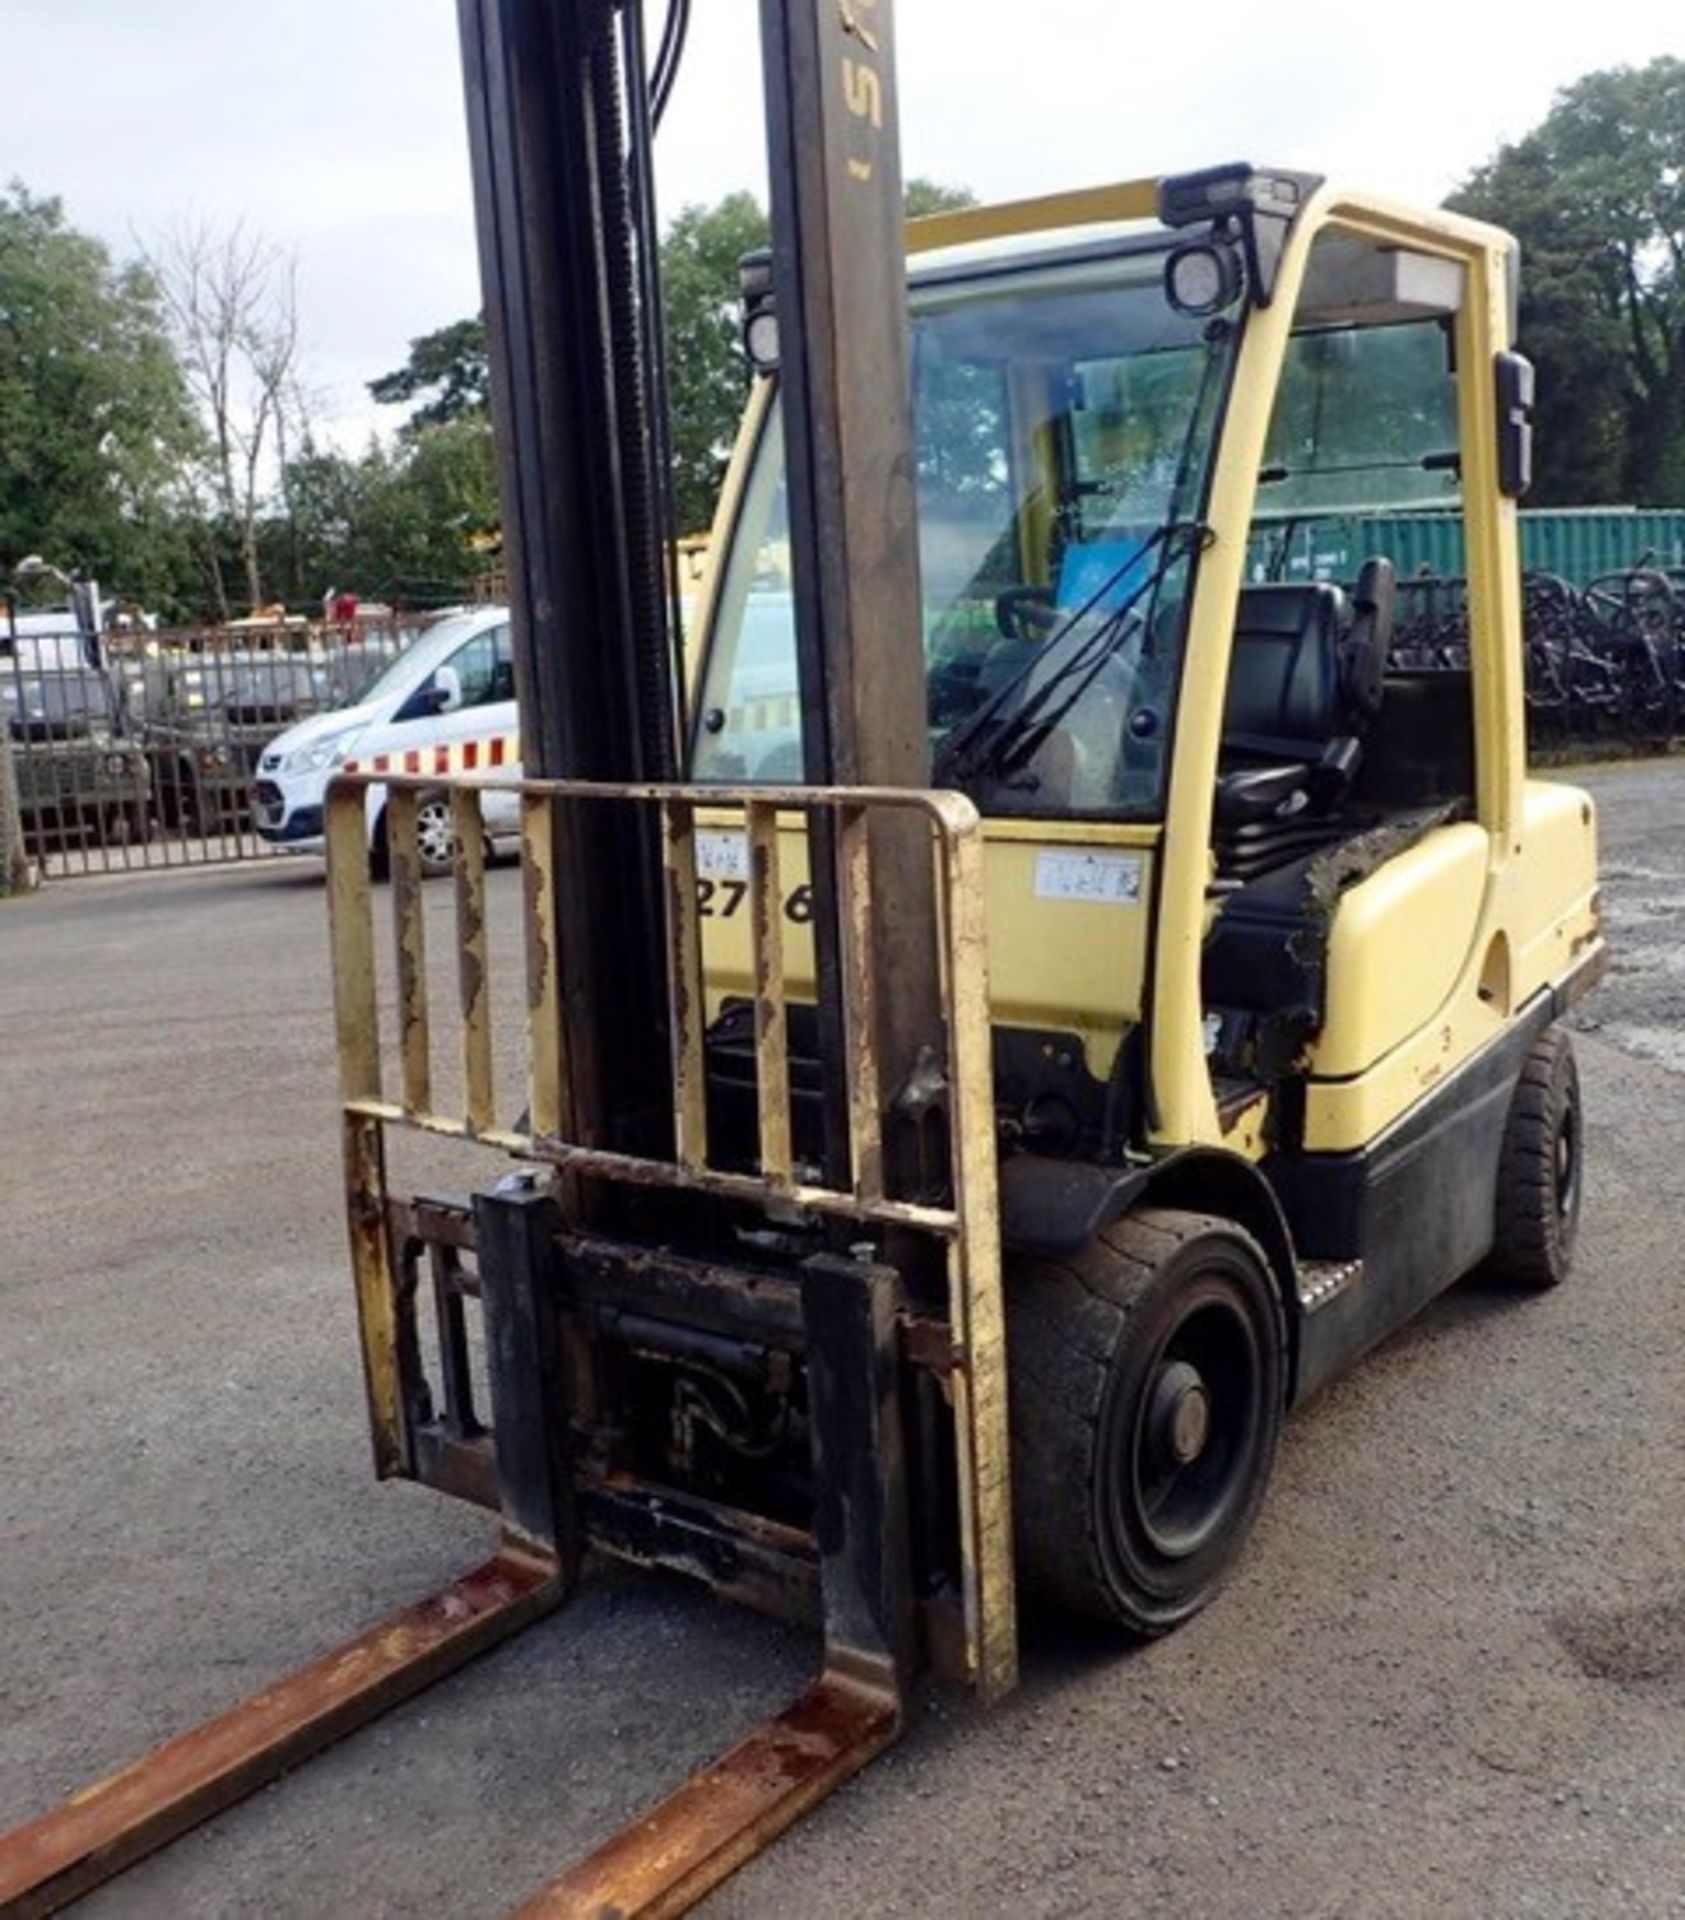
[(1284, 695)]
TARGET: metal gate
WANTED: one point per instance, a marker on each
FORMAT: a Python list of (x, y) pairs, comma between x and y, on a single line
[(140, 752)]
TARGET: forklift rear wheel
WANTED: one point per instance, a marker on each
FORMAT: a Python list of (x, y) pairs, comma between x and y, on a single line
[(1540, 1169), (1148, 1382)]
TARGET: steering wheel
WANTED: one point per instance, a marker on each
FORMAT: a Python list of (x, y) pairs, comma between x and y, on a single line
[(1026, 613)]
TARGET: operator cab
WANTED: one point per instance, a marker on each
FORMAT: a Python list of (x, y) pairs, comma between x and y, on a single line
[(1078, 410)]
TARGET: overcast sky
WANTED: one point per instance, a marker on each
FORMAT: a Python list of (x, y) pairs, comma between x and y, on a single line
[(336, 125)]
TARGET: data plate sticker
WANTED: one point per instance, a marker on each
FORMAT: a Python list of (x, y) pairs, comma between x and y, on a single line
[(1068, 873), (721, 855)]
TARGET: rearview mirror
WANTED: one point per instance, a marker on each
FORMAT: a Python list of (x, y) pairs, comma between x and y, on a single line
[(447, 690), (1515, 388)]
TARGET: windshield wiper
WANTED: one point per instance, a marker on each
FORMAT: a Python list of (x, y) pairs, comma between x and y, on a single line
[(959, 751), (1001, 737)]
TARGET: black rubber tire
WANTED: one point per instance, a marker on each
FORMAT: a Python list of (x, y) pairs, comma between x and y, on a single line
[(380, 855), (1541, 1170), (1092, 1345)]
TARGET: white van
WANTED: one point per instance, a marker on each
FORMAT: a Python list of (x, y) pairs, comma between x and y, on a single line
[(445, 705)]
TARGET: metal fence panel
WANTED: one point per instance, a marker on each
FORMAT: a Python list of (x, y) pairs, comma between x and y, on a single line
[(143, 751)]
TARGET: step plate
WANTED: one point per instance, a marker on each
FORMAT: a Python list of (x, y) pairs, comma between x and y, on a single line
[(1321, 1281)]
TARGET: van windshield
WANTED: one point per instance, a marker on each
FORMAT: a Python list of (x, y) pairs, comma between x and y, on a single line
[(399, 675), (1065, 419)]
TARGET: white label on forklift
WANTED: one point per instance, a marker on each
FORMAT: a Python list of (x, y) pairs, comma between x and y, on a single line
[(1070, 873), (720, 855)]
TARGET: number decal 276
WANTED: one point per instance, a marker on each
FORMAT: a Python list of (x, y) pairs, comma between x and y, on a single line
[(720, 899)]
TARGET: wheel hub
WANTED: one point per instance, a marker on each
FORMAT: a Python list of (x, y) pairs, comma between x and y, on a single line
[(1566, 1165), (435, 831), (1180, 1418)]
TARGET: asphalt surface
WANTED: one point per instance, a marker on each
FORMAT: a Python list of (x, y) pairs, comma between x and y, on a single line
[(1448, 1678)]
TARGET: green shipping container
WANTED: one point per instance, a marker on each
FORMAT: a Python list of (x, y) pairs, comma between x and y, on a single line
[(1579, 543)]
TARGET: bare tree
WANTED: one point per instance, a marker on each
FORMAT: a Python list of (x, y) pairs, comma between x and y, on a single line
[(232, 300)]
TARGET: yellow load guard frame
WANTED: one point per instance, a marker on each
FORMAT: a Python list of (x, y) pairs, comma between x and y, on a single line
[(730, 1810), (969, 1226)]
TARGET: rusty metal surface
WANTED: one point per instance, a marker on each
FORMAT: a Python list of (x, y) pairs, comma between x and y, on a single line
[(375, 1274), (927, 1344), (966, 1222), (976, 1309), (448, 1223), (106, 1827), (860, 996), (351, 933), (410, 945), (724, 1815), (686, 1000), (839, 275), (632, 1170), (471, 958), (547, 1058), (766, 943), (742, 1556), (713, 1296)]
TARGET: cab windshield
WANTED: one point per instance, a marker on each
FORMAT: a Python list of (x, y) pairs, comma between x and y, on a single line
[(1064, 419)]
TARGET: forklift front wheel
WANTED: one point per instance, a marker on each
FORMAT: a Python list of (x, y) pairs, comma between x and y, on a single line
[(1147, 1390), (1540, 1169)]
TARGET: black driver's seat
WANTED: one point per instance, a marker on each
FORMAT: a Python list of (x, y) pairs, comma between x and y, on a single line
[(1304, 686)]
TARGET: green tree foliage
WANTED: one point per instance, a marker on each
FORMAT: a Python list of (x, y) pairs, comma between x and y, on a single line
[(447, 372), (97, 424), (708, 375), (399, 522), (1596, 196)]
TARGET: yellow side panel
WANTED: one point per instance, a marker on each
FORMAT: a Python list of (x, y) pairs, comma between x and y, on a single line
[(1342, 1115), (1538, 921), (1068, 910), (1076, 964), (1399, 941), (1551, 903)]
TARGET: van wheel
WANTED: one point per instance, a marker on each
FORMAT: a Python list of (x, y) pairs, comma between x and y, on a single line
[(435, 835), (1147, 1384), (1541, 1169), (435, 840)]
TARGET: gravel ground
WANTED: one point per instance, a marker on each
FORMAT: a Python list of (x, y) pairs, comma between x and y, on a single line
[(1449, 1677)]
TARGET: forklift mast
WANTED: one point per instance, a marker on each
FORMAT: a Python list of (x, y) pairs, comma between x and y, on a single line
[(560, 138)]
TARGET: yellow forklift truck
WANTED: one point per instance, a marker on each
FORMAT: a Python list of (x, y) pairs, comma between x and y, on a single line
[(1043, 993)]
